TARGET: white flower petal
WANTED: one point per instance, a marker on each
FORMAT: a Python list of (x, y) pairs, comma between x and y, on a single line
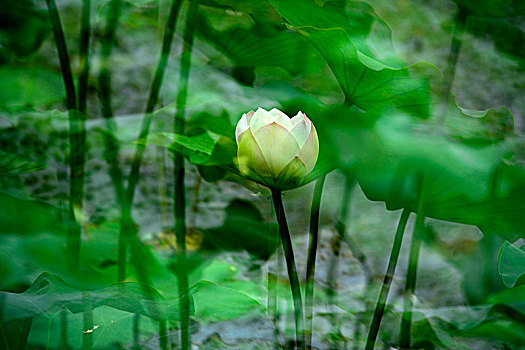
[(278, 146), (242, 125), (260, 118), (251, 159), (249, 116), (301, 131), (310, 150), (299, 117), (281, 118)]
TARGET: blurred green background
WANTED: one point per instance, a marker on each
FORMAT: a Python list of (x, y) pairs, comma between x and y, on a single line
[(382, 127)]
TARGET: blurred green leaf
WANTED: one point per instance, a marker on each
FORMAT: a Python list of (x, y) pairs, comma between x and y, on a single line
[(49, 293), (493, 8), (112, 329), (472, 126), (389, 152), (511, 263), (23, 28), (247, 47), (508, 36), (357, 46), (204, 149), (29, 87), (242, 229), (214, 303), (15, 165), (27, 217)]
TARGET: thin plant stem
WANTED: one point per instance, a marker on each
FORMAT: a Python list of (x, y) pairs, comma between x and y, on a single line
[(76, 152), (312, 254), (87, 336), (413, 260), (85, 32), (295, 287), (136, 331), (452, 61), (410, 285), (179, 126), (331, 292), (164, 204), (63, 55), (152, 100), (272, 273), (336, 248), (78, 143), (128, 231), (111, 155), (163, 335), (63, 328), (387, 281), (110, 142)]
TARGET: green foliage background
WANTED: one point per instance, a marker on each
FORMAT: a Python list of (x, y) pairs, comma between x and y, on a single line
[(393, 112)]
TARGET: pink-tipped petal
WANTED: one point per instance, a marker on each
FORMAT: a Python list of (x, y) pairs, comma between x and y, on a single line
[(281, 118), (310, 149), (242, 125), (259, 119), (249, 116), (278, 146), (299, 117), (301, 131)]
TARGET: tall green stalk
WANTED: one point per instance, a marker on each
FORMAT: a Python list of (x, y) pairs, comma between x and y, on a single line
[(387, 281), (410, 283), (85, 32), (300, 339), (87, 327), (128, 231), (111, 144), (332, 268), (312, 254), (76, 135), (272, 273), (153, 98), (179, 172), (452, 61)]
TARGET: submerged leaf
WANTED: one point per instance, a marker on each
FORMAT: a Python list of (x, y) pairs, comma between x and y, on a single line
[(511, 263)]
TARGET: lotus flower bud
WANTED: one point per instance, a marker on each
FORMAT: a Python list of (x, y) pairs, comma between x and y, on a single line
[(275, 150)]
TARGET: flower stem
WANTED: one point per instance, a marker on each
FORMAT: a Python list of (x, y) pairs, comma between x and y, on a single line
[(76, 135), (63, 55), (127, 227), (87, 337), (292, 270), (410, 285), (413, 260), (163, 335), (452, 61), (152, 99), (332, 268), (272, 272), (312, 253), (387, 281), (179, 169), (85, 31), (110, 142)]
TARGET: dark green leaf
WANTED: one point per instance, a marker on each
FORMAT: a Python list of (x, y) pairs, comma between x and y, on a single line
[(511, 264), (356, 44)]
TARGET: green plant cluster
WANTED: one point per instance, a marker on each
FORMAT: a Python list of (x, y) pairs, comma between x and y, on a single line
[(126, 223)]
